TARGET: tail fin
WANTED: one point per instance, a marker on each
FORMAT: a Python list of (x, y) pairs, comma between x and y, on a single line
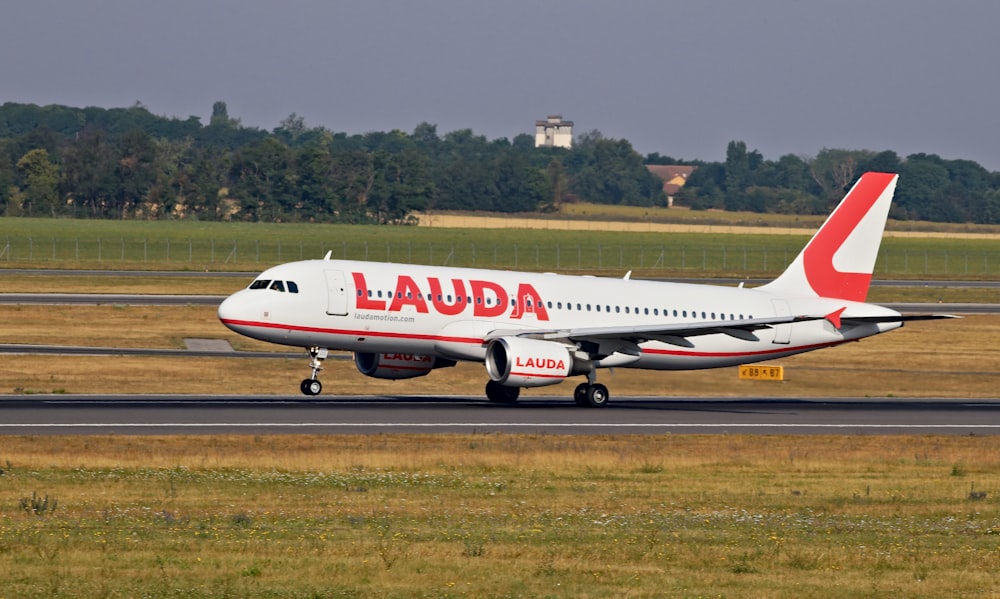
[(838, 261)]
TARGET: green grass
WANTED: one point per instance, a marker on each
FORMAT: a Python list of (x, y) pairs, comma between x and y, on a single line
[(685, 215), (173, 245)]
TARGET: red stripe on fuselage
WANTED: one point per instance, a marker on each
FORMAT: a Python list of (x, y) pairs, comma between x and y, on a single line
[(353, 333), (749, 354), (477, 341)]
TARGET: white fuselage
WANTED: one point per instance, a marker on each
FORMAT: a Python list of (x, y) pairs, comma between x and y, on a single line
[(448, 312)]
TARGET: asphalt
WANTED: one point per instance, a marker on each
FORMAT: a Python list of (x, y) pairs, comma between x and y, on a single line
[(213, 414)]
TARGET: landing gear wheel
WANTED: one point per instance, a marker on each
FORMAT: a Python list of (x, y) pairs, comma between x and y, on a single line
[(580, 394), (311, 387), (497, 393), (597, 396)]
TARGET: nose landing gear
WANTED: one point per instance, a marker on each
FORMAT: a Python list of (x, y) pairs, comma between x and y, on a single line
[(311, 385)]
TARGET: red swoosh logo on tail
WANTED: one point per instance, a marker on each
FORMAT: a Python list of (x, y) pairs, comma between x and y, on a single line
[(823, 277)]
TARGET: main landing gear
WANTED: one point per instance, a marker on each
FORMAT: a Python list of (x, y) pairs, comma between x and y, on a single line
[(311, 385), (588, 395), (497, 393), (591, 395)]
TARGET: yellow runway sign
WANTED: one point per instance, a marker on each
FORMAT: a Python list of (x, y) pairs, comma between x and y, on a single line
[(762, 373)]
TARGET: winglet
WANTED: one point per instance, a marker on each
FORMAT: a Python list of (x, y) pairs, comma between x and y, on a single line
[(834, 317), (838, 261)]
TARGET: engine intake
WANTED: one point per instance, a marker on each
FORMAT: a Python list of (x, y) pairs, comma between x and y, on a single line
[(519, 362)]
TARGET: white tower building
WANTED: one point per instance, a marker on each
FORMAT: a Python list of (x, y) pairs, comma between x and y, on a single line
[(554, 132)]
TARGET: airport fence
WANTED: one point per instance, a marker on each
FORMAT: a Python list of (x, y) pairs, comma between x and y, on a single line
[(982, 261)]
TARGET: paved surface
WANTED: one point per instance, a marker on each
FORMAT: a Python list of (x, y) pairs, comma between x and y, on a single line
[(173, 414)]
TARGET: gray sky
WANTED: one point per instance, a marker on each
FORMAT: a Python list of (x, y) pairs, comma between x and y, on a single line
[(678, 78)]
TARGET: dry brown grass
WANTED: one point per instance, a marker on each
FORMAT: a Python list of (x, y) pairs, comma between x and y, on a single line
[(200, 285), (500, 516)]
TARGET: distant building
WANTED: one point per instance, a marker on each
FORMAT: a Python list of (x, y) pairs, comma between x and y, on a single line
[(674, 177), (554, 132)]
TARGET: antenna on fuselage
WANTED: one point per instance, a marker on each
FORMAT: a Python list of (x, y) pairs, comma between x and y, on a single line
[(627, 276), (329, 253)]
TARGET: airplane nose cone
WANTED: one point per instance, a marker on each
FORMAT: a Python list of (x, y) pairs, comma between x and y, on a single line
[(230, 310)]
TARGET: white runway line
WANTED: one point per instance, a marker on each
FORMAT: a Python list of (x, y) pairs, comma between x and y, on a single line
[(72, 425)]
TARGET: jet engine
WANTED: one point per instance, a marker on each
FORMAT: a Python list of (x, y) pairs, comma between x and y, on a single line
[(520, 362), (397, 366)]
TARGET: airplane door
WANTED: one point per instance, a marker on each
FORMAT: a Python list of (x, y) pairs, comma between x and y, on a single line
[(336, 293), (782, 332)]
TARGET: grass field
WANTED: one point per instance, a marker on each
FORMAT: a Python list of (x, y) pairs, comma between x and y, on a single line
[(400, 516), (63, 243), (499, 516), (683, 215)]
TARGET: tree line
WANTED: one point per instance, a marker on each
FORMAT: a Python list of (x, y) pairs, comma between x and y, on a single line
[(930, 187), (127, 163)]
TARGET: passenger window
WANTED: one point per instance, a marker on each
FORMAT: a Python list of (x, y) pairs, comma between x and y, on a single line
[(293, 287)]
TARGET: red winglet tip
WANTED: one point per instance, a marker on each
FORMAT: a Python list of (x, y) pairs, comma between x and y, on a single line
[(834, 317)]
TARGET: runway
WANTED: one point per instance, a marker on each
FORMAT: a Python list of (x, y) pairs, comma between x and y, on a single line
[(175, 414)]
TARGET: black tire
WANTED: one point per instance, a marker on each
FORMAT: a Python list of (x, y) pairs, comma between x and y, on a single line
[(580, 394), (597, 396), (497, 393), (311, 387)]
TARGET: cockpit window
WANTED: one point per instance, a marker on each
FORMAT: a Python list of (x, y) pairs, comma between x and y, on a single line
[(275, 285)]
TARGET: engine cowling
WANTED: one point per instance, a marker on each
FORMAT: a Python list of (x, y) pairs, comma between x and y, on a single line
[(519, 362), (397, 366)]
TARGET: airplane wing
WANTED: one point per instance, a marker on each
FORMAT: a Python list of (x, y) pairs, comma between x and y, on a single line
[(619, 338), (673, 334)]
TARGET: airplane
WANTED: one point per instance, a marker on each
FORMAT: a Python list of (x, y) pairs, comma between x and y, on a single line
[(534, 329)]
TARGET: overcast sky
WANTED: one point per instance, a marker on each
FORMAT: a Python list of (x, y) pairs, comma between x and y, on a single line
[(678, 78)]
